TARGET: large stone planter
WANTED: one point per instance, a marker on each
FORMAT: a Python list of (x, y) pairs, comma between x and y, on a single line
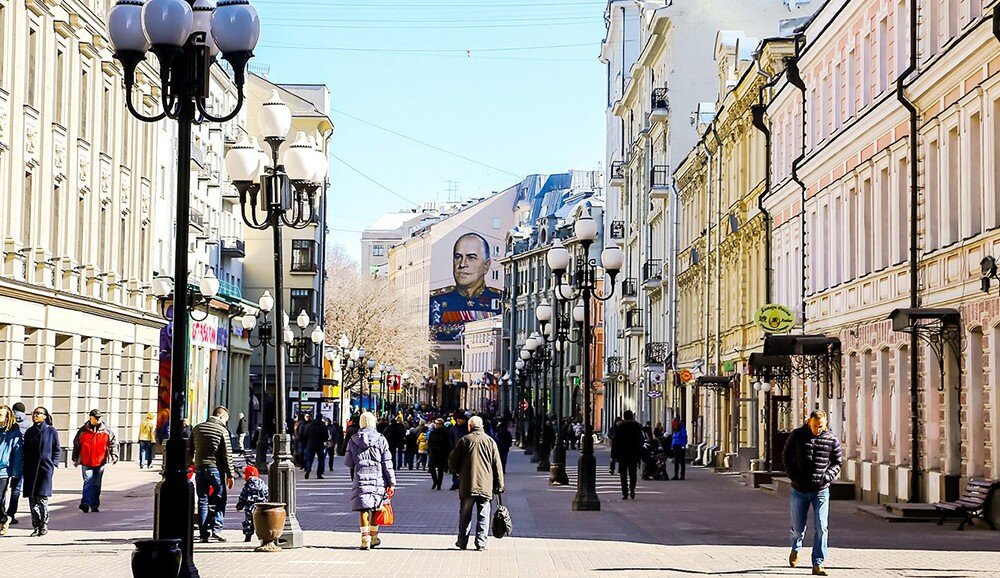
[(156, 558), (268, 522)]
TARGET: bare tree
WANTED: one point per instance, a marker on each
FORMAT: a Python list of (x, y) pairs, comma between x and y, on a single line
[(372, 314)]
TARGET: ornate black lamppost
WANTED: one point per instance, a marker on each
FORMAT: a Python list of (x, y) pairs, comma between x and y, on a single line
[(557, 322), (185, 36), (306, 351), (265, 338), (286, 196), (541, 358), (527, 436), (585, 278), (520, 376)]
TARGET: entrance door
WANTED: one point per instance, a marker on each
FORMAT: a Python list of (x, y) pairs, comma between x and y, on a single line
[(780, 428)]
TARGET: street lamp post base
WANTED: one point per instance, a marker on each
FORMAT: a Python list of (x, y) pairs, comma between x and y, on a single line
[(281, 485), (543, 461), (173, 517), (557, 470), (586, 499)]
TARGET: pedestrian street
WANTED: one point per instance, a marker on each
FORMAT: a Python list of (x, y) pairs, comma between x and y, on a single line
[(708, 524)]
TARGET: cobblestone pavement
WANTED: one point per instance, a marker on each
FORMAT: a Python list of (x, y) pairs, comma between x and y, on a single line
[(708, 524)]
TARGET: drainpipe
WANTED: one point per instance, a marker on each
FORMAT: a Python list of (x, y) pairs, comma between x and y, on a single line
[(915, 249), (759, 111), (795, 79), (718, 284), (708, 252)]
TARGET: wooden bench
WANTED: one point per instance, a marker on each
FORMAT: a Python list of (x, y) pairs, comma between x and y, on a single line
[(973, 503)]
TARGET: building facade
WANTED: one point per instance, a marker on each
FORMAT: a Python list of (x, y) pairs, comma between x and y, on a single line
[(482, 354), (389, 230)]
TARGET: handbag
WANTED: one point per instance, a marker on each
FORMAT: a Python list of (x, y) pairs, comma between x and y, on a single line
[(384, 515), (502, 524)]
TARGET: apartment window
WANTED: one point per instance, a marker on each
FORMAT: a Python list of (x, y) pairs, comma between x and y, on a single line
[(378, 250), (55, 225), (933, 187), (3, 41), (303, 255), (852, 82), (952, 18), (26, 213), (837, 235), (902, 219), (883, 55), (975, 194), (996, 169), (106, 125), (866, 71), (32, 82), (953, 204), (81, 220), (867, 222), (902, 36), (838, 95), (60, 112), (123, 248), (885, 246), (302, 300), (934, 27), (84, 103)]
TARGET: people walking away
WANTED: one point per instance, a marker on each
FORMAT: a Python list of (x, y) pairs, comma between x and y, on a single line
[(410, 447), (301, 439), (94, 446), (373, 479), (438, 447), (422, 448), (254, 492), (679, 442), (209, 451), (812, 458), (16, 483), (147, 437), (456, 433), (40, 460), (504, 442), (395, 434), (316, 436), (331, 442), (626, 450), (476, 460), (241, 432), (11, 458), (611, 436)]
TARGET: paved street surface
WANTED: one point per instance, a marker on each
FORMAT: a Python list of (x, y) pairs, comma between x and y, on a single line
[(706, 525)]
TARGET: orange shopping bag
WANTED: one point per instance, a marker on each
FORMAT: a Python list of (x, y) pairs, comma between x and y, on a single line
[(384, 516)]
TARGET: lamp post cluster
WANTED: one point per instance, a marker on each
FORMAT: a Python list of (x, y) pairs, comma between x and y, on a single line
[(306, 351), (265, 338), (536, 350), (186, 36), (582, 287)]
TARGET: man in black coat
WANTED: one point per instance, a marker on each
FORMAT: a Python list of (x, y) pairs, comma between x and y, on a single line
[(812, 457), (316, 436), (395, 434), (626, 450), (438, 449)]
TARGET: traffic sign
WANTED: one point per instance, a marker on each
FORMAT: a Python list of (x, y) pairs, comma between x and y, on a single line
[(685, 375), (524, 405), (653, 394)]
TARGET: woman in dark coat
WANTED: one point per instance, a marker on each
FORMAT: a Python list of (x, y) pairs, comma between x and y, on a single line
[(372, 476), (438, 449), (41, 457)]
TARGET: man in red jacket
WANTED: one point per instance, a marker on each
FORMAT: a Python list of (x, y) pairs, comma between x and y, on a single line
[(93, 447)]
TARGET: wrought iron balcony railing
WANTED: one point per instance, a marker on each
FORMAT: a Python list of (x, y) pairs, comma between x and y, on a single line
[(659, 99), (656, 352), (652, 270), (629, 288)]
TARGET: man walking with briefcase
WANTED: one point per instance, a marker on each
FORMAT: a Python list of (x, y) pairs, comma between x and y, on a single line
[(476, 460)]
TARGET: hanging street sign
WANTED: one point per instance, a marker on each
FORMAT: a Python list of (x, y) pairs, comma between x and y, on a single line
[(774, 318), (685, 375)]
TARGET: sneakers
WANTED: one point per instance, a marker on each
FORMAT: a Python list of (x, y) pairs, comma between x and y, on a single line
[(793, 559), (480, 548), (84, 508), (460, 546), (44, 530), (218, 538), (39, 532), (819, 571), (4, 527)]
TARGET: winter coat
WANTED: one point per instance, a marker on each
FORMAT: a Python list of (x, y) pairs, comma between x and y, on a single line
[(208, 447), (370, 461), (316, 435), (11, 452), (438, 446), (503, 439), (41, 458), (95, 446), (457, 432), (241, 426), (626, 447), (410, 442), (254, 492), (812, 462), (422, 443), (395, 434), (147, 430), (680, 437), (476, 460)]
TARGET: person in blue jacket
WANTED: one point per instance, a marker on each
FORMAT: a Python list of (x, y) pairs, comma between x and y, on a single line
[(41, 458), (679, 442), (11, 447)]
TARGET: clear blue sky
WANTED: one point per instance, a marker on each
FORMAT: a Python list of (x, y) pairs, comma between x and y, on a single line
[(527, 97)]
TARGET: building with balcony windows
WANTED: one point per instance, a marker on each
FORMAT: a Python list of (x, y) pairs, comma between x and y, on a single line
[(391, 229)]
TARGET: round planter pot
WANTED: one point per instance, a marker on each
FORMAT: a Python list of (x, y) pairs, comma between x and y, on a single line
[(268, 522), (156, 558)]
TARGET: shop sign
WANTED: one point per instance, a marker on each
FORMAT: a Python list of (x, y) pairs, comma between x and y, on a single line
[(685, 375), (207, 333), (653, 394), (774, 318)]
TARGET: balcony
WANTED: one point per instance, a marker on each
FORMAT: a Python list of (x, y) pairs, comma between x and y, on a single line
[(633, 322), (197, 221), (652, 273), (613, 365), (656, 353), (629, 289), (617, 173), (618, 230), (233, 247), (659, 182), (659, 106), (232, 290)]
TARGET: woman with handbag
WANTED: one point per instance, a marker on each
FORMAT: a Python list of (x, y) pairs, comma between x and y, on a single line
[(372, 476)]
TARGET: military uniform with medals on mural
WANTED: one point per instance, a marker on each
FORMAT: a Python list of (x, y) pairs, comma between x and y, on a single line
[(469, 299)]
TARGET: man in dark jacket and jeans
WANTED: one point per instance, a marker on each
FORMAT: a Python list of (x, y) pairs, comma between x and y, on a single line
[(812, 458), (211, 454), (626, 449)]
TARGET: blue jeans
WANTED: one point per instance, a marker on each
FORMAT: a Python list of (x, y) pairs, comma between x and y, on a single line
[(211, 509), (820, 502), (92, 478), (465, 521), (15, 496), (146, 454)]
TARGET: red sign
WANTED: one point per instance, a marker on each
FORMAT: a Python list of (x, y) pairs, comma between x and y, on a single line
[(524, 404)]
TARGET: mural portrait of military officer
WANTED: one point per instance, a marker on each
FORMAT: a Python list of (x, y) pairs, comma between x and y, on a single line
[(469, 299)]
